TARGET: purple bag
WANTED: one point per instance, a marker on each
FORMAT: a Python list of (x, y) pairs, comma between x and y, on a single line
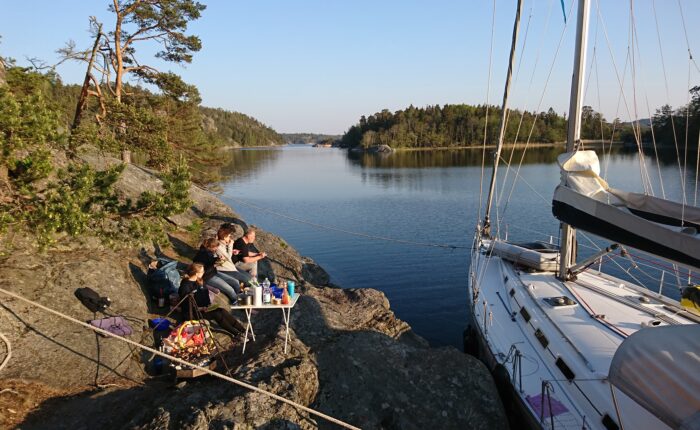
[(114, 325)]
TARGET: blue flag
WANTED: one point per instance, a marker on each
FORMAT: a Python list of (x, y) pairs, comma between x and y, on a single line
[(563, 10)]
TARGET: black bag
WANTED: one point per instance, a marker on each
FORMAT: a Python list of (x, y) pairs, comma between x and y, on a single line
[(92, 300)]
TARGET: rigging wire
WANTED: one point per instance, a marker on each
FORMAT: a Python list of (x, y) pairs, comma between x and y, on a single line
[(534, 122), (637, 52), (529, 88), (697, 172), (499, 219), (632, 52), (352, 233), (691, 59), (486, 118), (645, 262), (668, 96), (656, 152), (617, 72)]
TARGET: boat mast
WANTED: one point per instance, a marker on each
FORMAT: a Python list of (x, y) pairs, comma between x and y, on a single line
[(568, 233), (501, 134)]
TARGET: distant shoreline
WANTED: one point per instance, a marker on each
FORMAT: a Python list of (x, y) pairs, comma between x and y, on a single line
[(509, 145)]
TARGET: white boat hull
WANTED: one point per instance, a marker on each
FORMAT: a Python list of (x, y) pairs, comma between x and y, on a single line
[(565, 347)]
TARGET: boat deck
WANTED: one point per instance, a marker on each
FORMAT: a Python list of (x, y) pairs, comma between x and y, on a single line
[(567, 334)]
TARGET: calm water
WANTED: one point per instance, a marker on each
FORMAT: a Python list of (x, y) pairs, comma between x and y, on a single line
[(430, 197)]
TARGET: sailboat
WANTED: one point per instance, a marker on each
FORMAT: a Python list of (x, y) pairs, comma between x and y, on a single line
[(570, 346)]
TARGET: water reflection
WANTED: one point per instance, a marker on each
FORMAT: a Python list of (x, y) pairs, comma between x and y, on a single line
[(431, 197), (450, 158), (473, 156), (246, 163)]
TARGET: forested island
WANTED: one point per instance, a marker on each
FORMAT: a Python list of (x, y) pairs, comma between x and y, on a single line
[(462, 125), (309, 138)]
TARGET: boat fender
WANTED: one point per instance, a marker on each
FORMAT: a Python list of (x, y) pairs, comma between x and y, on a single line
[(503, 383), (470, 341), (690, 299)]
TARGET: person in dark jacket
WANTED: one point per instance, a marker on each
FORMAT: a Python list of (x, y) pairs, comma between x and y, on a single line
[(223, 282), (193, 284), (247, 255)]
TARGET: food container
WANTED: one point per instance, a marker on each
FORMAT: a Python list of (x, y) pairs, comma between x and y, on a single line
[(257, 296), (159, 324), (245, 299)]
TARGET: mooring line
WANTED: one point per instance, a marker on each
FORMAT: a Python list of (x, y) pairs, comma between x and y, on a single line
[(353, 233), (183, 362)]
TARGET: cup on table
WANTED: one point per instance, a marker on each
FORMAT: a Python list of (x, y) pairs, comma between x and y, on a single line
[(290, 288)]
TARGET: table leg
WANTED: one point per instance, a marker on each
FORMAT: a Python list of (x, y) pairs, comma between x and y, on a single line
[(286, 313), (248, 328)]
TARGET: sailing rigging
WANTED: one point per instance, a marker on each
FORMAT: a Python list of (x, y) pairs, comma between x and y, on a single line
[(561, 336)]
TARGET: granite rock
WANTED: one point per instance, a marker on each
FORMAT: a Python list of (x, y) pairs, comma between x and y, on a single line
[(349, 356)]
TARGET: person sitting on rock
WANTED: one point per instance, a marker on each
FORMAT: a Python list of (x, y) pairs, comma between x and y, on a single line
[(248, 257), (226, 254), (192, 284), (212, 277)]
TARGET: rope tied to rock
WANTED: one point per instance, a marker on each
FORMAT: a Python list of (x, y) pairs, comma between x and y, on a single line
[(177, 360)]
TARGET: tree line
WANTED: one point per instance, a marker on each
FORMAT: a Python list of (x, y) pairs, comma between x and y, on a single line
[(673, 128), (462, 125)]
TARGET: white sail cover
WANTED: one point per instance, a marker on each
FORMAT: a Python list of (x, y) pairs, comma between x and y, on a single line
[(659, 368), (660, 227)]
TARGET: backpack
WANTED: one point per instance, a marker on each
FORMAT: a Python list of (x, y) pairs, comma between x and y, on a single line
[(165, 280), (91, 299)]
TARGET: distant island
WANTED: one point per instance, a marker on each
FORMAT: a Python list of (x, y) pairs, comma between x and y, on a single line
[(462, 125), (309, 138)]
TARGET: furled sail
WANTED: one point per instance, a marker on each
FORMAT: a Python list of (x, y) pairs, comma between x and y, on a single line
[(657, 226)]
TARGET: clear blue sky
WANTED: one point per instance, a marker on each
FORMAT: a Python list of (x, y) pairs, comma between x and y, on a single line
[(318, 65)]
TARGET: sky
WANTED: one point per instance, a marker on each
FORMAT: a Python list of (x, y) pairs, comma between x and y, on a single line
[(318, 65)]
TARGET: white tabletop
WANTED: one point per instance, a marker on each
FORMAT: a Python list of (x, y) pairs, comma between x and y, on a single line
[(292, 301)]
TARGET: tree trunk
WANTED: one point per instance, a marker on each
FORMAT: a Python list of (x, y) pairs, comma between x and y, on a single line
[(82, 101), (118, 52)]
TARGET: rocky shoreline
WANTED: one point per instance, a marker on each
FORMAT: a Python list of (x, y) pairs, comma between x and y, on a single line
[(349, 356)]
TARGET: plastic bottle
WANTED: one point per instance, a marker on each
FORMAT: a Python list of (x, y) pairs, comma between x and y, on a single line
[(285, 297), (267, 293)]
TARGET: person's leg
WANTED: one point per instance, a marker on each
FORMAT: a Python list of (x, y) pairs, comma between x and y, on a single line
[(239, 276), (223, 286), (231, 280), (251, 268), (225, 320)]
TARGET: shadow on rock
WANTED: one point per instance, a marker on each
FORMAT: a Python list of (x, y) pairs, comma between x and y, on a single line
[(181, 247), (348, 357), (374, 372)]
